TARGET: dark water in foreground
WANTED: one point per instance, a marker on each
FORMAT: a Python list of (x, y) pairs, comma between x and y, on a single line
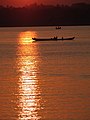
[(44, 80)]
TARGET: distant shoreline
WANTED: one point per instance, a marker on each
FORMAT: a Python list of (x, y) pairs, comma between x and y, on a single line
[(75, 15), (45, 25)]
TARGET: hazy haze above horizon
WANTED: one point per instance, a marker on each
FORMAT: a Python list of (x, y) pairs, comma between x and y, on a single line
[(46, 2)]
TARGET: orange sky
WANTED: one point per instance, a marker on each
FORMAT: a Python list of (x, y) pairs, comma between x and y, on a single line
[(28, 2)]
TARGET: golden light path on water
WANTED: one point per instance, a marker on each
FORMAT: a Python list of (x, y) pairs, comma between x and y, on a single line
[(29, 91)]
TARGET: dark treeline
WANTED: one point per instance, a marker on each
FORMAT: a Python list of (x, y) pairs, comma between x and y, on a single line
[(41, 15)]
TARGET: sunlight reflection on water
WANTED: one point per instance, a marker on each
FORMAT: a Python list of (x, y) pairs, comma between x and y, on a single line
[(29, 91)]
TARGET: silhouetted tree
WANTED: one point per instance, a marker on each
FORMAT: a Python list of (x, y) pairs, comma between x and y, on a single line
[(37, 15)]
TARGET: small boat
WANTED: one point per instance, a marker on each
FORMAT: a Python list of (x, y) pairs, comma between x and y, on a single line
[(52, 39), (58, 27)]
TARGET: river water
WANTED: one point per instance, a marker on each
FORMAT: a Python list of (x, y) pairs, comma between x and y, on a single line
[(47, 80)]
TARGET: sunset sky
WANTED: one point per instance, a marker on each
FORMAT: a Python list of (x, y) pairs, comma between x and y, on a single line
[(28, 2)]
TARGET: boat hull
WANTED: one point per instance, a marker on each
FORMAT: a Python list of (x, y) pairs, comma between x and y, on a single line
[(52, 39)]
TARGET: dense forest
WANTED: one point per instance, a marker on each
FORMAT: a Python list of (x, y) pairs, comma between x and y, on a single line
[(42, 15)]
